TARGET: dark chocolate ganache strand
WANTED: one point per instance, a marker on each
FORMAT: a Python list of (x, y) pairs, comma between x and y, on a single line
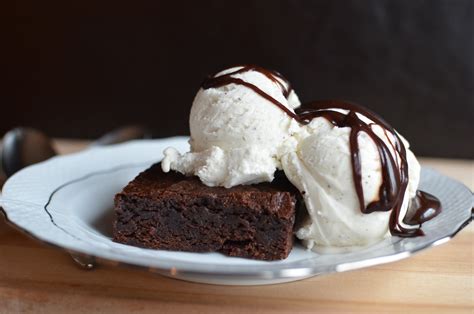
[(214, 81), (394, 169)]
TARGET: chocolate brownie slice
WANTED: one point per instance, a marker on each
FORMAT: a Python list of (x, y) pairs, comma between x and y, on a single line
[(172, 212)]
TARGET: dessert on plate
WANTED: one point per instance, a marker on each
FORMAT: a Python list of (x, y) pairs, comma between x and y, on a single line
[(258, 159)]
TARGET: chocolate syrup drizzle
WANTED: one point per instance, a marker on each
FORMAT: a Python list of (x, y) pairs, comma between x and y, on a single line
[(213, 82), (394, 170)]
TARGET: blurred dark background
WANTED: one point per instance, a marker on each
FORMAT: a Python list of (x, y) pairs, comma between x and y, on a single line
[(81, 69)]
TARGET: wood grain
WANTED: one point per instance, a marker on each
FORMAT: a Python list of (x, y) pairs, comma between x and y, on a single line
[(35, 278)]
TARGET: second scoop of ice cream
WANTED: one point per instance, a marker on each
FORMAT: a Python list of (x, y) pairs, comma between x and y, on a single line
[(321, 169)]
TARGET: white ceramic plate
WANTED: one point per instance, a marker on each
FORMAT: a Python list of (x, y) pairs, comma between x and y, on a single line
[(67, 201)]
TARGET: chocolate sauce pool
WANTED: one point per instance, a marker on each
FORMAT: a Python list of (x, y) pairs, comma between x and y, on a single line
[(394, 172)]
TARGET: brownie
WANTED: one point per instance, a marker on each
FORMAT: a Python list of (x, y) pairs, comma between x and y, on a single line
[(170, 211)]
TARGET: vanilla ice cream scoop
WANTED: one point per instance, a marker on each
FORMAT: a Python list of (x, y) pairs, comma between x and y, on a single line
[(356, 175), (240, 122)]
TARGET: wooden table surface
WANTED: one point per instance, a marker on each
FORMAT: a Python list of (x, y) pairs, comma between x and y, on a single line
[(39, 279)]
